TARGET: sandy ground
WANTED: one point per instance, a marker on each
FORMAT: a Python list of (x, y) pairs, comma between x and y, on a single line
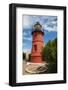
[(24, 65), (23, 69)]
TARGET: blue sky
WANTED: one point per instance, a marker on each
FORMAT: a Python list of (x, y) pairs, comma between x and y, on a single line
[(49, 24)]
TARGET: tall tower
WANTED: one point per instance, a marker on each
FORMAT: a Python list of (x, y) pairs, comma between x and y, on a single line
[(37, 43)]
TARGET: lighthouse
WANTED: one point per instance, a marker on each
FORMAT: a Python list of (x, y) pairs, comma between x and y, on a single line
[(37, 43), (36, 65)]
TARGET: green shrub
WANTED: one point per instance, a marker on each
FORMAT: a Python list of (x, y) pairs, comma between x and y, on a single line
[(49, 55)]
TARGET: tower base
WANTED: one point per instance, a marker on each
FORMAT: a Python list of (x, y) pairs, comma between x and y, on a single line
[(36, 59)]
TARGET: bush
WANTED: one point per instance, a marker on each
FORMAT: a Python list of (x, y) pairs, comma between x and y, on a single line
[(52, 68), (49, 52), (49, 55)]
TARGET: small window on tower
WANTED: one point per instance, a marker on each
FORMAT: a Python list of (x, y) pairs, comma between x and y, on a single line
[(35, 35), (35, 47)]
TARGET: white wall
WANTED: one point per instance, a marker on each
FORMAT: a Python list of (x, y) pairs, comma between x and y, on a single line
[(4, 37)]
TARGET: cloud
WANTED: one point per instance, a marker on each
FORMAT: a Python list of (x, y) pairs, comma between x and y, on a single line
[(26, 50), (26, 22), (25, 34), (27, 38), (52, 26), (49, 23), (26, 47)]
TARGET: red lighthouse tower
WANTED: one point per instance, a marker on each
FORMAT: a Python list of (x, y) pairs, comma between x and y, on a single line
[(37, 43)]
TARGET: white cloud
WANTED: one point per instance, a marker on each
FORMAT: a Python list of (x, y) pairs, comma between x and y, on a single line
[(25, 34), (26, 50), (47, 28), (26, 22), (28, 38)]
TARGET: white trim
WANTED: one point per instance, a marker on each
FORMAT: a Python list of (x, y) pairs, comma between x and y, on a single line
[(43, 77)]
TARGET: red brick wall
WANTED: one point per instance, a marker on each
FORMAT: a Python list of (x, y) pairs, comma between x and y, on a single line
[(37, 45)]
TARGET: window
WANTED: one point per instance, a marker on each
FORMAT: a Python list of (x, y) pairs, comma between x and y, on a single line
[(35, 47), (35, 35)]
